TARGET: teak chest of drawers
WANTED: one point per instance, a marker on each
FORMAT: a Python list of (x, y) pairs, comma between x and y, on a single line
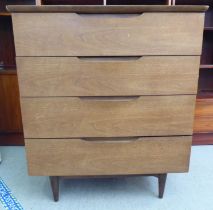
[(107, 90)]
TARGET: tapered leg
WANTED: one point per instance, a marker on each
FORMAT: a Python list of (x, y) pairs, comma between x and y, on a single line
[(161, 184), (54, 181)]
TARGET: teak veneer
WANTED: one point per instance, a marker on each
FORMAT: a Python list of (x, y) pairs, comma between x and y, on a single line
[(107, 116), (107, 76), (108, 34), (107, 90)]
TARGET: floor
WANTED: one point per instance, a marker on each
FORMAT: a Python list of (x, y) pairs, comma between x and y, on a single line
[(190, 191)]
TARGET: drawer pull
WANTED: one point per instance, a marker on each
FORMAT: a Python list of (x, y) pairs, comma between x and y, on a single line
[(109, 98), (111, 139), (109, 15), (108, 58)]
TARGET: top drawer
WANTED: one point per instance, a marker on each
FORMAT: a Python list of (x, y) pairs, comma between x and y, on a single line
[(72, 34)]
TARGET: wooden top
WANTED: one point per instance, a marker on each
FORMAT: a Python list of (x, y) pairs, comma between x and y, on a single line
[(106, 9)]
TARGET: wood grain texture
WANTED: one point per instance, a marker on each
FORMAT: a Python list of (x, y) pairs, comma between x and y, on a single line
[(79, 157), (10, 113), (71, 34), (204, 116), (107, 9), (64, 117), (71, 76)]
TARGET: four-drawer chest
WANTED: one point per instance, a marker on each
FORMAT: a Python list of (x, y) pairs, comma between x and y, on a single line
[(107, 90)]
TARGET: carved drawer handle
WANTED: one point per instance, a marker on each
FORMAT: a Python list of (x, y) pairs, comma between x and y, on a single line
[(109, 15), (108, 58), (109, 98), (111, 139)]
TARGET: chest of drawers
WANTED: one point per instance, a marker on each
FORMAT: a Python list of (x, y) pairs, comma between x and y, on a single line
[(109, 90)]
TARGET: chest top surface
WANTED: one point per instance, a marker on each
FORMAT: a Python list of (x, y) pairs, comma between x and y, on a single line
[(106, 9)]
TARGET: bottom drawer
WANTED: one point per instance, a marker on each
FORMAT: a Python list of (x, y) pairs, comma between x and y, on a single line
[(84, 157)]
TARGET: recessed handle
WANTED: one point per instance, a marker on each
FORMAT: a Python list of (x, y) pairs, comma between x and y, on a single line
[(109, 98), (108, 58), (111, 139), (109, 15)]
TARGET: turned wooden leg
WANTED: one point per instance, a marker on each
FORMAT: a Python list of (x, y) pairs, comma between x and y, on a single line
[(161, 184), (54, 181)]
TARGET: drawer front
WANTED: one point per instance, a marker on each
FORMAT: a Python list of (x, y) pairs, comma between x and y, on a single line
[(71, 34), (89, 76), (63, 117), (73, 157)]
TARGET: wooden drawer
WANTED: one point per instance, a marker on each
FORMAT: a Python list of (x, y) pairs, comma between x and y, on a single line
[(72, 34), (73, 157), (89, 76), (64, 117)]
